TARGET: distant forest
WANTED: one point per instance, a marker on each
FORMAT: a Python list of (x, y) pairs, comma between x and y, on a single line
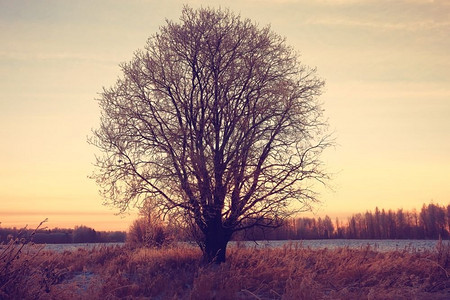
[(432, 222), (80, 234)]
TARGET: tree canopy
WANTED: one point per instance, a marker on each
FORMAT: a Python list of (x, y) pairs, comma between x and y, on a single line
[(215, 121)]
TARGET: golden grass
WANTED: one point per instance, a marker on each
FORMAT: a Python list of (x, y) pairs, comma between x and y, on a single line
[(291, 272)]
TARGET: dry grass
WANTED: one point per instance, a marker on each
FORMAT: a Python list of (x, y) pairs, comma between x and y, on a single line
[(176, 273)]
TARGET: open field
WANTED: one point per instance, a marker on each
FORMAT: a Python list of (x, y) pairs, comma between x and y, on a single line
[(290, 272)]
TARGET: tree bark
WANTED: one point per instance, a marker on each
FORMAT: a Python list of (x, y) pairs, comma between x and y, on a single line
[(216, 241)]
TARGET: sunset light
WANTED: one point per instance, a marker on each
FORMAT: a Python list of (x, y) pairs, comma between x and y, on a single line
[(242, 149), (387, 99)]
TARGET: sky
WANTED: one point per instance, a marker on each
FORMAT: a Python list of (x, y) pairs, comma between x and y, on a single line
[(387, 98)]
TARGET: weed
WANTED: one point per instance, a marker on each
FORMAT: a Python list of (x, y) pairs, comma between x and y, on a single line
[(291, 272)]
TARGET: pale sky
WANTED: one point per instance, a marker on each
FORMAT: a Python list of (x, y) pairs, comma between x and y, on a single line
[(387, 98)]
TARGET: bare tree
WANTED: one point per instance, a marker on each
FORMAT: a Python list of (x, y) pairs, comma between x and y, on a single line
[(215, 121)]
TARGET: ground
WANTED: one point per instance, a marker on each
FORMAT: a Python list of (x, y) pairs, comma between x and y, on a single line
[(291, 272)]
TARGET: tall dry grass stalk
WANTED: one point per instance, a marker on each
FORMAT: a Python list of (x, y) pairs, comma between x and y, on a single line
[(292, 272), (15, 259)]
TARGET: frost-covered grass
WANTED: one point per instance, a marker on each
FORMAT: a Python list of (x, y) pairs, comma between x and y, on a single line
[(291, 272)]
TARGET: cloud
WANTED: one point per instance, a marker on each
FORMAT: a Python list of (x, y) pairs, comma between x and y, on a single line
[(55, 56), (55, 213), (352, 2), (401, 26)]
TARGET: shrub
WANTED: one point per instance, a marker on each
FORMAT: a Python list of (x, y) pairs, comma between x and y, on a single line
[(148, 232)]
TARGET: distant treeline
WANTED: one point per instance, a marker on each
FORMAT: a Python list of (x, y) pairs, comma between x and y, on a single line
[(80, 234), (432, 222)]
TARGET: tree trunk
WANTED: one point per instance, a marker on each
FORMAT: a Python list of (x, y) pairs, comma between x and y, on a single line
[(216, 240)]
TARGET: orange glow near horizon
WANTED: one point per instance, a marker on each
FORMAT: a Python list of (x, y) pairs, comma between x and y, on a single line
[(100, 221), (387, 99)]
